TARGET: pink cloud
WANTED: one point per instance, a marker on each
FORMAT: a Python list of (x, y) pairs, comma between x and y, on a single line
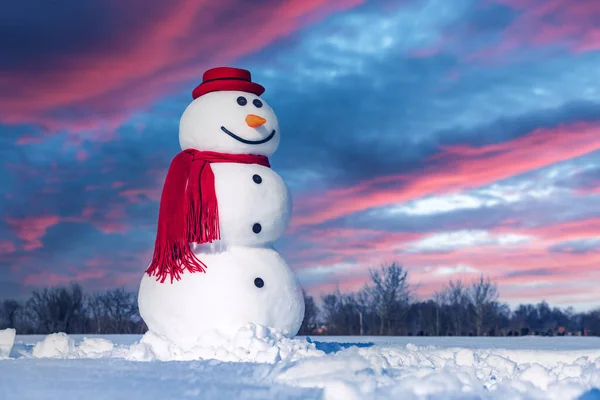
[(507, 264), (47, 279), (7, 247), (593, 188), (175, 49), (81, 155), (31, 229), (117, 184), (28, 139), (453, 169), (542, 23), (112, 220)]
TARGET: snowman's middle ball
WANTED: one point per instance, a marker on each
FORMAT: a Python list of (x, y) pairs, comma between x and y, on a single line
[(218, 121)]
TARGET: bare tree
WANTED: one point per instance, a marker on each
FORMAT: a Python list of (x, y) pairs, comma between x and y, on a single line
[(438, 299), (389, 294), (362, 309), (455, 300), (483, 295), (9, 310), (114, 311), (311, 312), (59, 309), (340, 311)]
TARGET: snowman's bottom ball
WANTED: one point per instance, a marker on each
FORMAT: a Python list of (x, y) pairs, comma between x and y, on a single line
[(240, 286)]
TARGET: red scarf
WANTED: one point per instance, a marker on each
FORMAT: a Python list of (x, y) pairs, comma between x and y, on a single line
[(189, 211)]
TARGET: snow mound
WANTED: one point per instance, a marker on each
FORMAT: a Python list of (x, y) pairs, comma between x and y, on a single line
[(7, 339), (253, 343), (60, 345), (55, 345), (412, 372), (95, 348)]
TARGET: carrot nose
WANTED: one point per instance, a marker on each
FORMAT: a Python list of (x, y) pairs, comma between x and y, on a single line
[(254, 120)]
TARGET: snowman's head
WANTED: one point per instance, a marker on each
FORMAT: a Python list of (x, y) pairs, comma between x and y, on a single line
[(230, 121)]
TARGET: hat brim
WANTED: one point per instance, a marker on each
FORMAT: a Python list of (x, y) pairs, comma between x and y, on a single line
[(227, 84)]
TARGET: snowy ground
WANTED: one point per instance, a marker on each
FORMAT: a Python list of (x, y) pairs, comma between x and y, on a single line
[(262, 365)]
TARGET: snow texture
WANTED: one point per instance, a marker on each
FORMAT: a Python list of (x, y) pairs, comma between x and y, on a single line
[(7, 338), (260, 363), (201, 122), (225, 298), (243, 203)]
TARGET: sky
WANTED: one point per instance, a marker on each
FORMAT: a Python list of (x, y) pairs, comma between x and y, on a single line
[(456, 138)]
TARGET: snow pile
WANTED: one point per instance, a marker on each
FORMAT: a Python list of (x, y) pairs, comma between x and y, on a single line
[(257, 358), (60, 345), (7, 339), (432, 373), (95, 348), (253, 343), (345, 375), (54, 345)]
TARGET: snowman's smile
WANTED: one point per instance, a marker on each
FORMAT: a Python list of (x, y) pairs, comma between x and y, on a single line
[(246, 141)]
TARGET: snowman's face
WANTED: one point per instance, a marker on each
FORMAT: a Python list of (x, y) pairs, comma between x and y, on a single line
[(230, 122)]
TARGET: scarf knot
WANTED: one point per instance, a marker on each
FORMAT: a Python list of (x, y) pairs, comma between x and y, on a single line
[(189, 211)]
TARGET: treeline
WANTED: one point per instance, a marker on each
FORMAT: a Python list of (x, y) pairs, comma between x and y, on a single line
[(387, 305), (70, 310)]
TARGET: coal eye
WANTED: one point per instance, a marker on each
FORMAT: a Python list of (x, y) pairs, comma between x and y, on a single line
[(242, 101), (258, 282), (257, 103)]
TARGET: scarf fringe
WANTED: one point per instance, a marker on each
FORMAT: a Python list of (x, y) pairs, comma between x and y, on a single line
[(189, 212), (173, 259)]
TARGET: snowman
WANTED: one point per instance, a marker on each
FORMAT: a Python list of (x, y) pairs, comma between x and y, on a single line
[(214, 267)]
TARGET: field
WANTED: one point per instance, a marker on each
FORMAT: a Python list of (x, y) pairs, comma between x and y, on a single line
[(258, 365)]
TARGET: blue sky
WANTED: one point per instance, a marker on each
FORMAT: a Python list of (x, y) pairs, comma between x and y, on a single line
[(457, 138)]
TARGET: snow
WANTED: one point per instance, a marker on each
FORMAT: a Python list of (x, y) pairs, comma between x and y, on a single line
[(224, 298), (250, 344), (260, 363), (7, 338), (54, 345), (60, 345), (243, 202)]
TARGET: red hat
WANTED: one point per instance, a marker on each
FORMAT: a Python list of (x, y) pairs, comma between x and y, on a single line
[(226, 78)]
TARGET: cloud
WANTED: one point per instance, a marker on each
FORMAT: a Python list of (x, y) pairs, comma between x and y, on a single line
[(528, 273), (577, 246), (318, 275), (7, 247), (52, 279), (455, 269), (564, 23), (494, 195), (456, 168), (442, 242), (116, 59), (351, 106), (31, 229), (512, 254)]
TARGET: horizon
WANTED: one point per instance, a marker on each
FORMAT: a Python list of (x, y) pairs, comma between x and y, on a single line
[(457, 140)]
